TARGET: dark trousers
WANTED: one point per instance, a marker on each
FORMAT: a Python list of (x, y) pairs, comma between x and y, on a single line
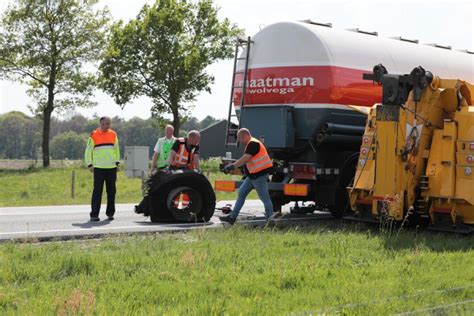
[(109, 176)]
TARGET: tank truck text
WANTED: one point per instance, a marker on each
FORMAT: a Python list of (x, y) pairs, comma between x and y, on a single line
[(276, 85)]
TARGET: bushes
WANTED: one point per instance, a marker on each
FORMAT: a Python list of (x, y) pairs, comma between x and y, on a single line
[(20, 136), (23, 140), (68, 145)]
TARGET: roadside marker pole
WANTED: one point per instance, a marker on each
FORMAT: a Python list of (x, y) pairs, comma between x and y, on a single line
[(73, 177), (143, 182)]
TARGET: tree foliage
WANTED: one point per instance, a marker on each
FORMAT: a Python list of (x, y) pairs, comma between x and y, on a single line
[(68, 145), (76, 123), (20, 136), (193, 123), (163, 54), (23, 134), (48, 45)]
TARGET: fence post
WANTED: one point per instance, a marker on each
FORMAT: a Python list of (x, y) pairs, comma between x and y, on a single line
[(143, 181), (73, 177)]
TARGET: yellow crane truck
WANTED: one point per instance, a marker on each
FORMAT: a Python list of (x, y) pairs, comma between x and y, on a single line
[(416, 160)]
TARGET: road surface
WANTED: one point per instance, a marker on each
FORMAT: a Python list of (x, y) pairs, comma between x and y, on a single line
[(72, 221)]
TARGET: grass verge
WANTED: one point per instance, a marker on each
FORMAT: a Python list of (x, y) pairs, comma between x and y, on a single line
[(327, 268), (53, 187)]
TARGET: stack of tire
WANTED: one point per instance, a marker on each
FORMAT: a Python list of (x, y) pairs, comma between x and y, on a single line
[(183, 196)]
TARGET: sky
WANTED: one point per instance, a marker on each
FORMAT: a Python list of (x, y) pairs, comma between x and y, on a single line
[(446, 22)]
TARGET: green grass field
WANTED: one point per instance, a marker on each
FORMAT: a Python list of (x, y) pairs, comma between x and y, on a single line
[(53, 186), (329, 268)]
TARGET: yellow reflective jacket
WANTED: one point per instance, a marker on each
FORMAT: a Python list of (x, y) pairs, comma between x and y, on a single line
[(102, 149)]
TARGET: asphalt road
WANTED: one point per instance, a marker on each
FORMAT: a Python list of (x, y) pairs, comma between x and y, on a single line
[(72, 221)]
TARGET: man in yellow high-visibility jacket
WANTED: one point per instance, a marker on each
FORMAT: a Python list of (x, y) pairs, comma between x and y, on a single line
[(102, 157)]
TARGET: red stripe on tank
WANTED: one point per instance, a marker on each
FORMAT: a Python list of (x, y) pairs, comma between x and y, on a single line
[(307, 84)]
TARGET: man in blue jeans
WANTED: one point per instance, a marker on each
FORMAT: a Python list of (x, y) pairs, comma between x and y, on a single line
[(257, 165)]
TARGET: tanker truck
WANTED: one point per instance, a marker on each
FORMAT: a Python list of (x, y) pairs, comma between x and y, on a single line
[(298, 87)]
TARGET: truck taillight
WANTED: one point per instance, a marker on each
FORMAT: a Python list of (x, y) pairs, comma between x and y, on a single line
[(303, 171), (295, 189), (224, 185)]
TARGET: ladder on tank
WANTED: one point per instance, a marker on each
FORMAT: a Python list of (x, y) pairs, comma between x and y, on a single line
[(232, 128)]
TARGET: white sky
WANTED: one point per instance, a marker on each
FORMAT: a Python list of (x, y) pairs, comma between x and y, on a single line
[(431, 21)]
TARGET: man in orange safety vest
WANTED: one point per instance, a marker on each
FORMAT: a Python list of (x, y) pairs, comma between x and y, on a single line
[(102, 157), (185, 152), (257, 165)]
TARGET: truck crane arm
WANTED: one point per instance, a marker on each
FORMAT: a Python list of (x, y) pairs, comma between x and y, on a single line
[(414, 159)]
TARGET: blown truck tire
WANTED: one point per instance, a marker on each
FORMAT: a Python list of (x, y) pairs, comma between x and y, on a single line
[(178, 196)]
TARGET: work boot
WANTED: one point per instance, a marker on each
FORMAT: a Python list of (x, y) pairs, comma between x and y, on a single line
[(274, 216), (227, 219), (94, 219)]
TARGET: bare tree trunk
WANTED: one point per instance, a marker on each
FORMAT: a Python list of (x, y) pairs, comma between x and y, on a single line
[(176, 120), (48, 110)]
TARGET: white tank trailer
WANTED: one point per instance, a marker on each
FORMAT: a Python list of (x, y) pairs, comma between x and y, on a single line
[(306, 99)]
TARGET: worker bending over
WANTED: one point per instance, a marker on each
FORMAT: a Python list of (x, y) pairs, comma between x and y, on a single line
[(257, 165), (185, 152)]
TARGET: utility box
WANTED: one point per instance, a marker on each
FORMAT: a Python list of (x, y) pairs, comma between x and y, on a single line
[(136, 161)]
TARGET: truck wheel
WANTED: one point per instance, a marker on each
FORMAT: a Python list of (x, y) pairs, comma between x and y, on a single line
[(342, 206), (277, 197), (182, 197)]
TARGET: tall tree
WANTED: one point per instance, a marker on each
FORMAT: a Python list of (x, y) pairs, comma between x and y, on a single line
[(48, 44), (163, 54)]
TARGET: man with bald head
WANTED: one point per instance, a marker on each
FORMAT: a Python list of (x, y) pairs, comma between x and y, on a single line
[(185, 152), (257, 165)]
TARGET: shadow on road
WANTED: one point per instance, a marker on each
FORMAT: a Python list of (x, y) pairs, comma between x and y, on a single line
[(90, 224), (171, 224)]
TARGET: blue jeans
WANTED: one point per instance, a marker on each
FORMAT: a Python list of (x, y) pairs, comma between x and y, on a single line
[(261, 186)]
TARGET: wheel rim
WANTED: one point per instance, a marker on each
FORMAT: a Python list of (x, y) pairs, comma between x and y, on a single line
[(184, 203), (181, 201)]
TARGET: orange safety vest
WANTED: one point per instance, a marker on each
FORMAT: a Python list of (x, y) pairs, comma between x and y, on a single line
[(101, 138), (260, 161), (183, 156)]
